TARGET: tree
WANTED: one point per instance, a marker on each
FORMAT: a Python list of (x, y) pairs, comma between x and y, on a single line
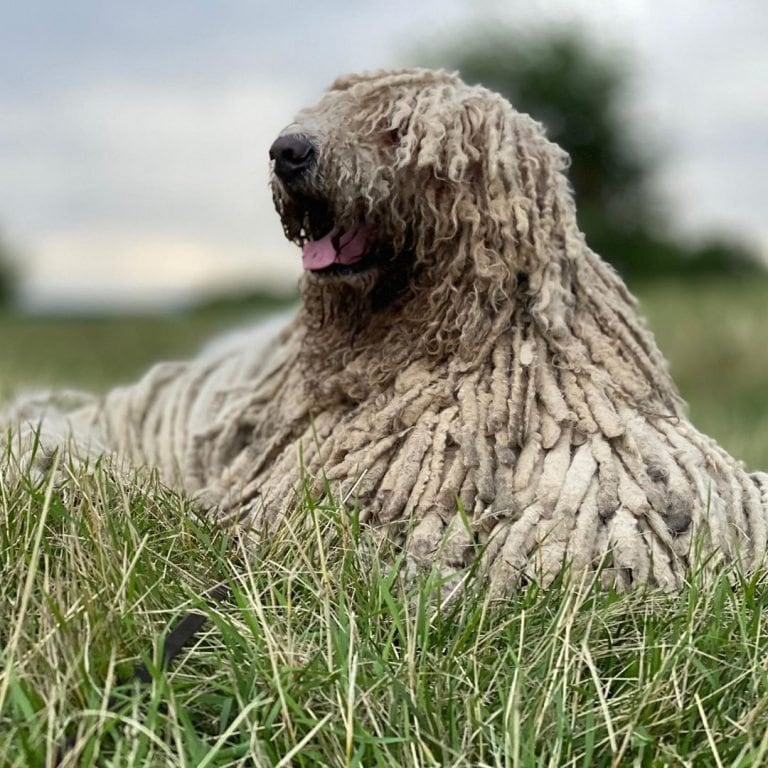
[(7, 274), (578, 90)]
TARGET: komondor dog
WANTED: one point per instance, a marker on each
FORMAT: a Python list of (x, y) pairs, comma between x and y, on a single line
[(463, 367)]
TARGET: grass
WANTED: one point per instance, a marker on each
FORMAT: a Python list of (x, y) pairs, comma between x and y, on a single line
[(96, 352), (712, 332), (323, 657)]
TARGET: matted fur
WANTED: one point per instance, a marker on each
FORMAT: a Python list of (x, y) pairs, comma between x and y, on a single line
[(487, 391)]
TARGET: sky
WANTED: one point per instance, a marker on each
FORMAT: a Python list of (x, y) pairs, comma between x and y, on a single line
[(134, 135)]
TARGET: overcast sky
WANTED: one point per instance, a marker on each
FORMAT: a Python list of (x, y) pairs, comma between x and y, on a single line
[(134, 135)]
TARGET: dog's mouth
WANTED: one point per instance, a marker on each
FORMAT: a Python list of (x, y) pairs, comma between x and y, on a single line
[(341, 251), (329, 249), (346, 249)]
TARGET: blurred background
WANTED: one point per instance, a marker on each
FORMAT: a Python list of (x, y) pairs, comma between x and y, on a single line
[(135, 219)]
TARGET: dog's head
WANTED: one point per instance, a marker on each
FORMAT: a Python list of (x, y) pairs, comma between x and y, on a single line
[(408, 177)]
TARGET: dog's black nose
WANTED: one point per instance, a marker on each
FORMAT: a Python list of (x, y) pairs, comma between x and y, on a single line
[(293, 155)]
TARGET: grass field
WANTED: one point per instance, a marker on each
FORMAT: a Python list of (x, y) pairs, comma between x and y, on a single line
[(321, 658)]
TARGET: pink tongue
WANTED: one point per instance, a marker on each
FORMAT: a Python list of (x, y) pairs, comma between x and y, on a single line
[(319, 254)]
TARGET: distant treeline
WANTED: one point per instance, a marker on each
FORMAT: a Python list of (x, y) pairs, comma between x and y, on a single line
[(7, 274)]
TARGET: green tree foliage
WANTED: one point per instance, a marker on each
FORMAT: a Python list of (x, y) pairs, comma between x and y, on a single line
[(7, 274), (578, 90)]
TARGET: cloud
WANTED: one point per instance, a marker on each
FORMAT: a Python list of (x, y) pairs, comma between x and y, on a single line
[(135, 170), (133, 133), (145, 271)]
